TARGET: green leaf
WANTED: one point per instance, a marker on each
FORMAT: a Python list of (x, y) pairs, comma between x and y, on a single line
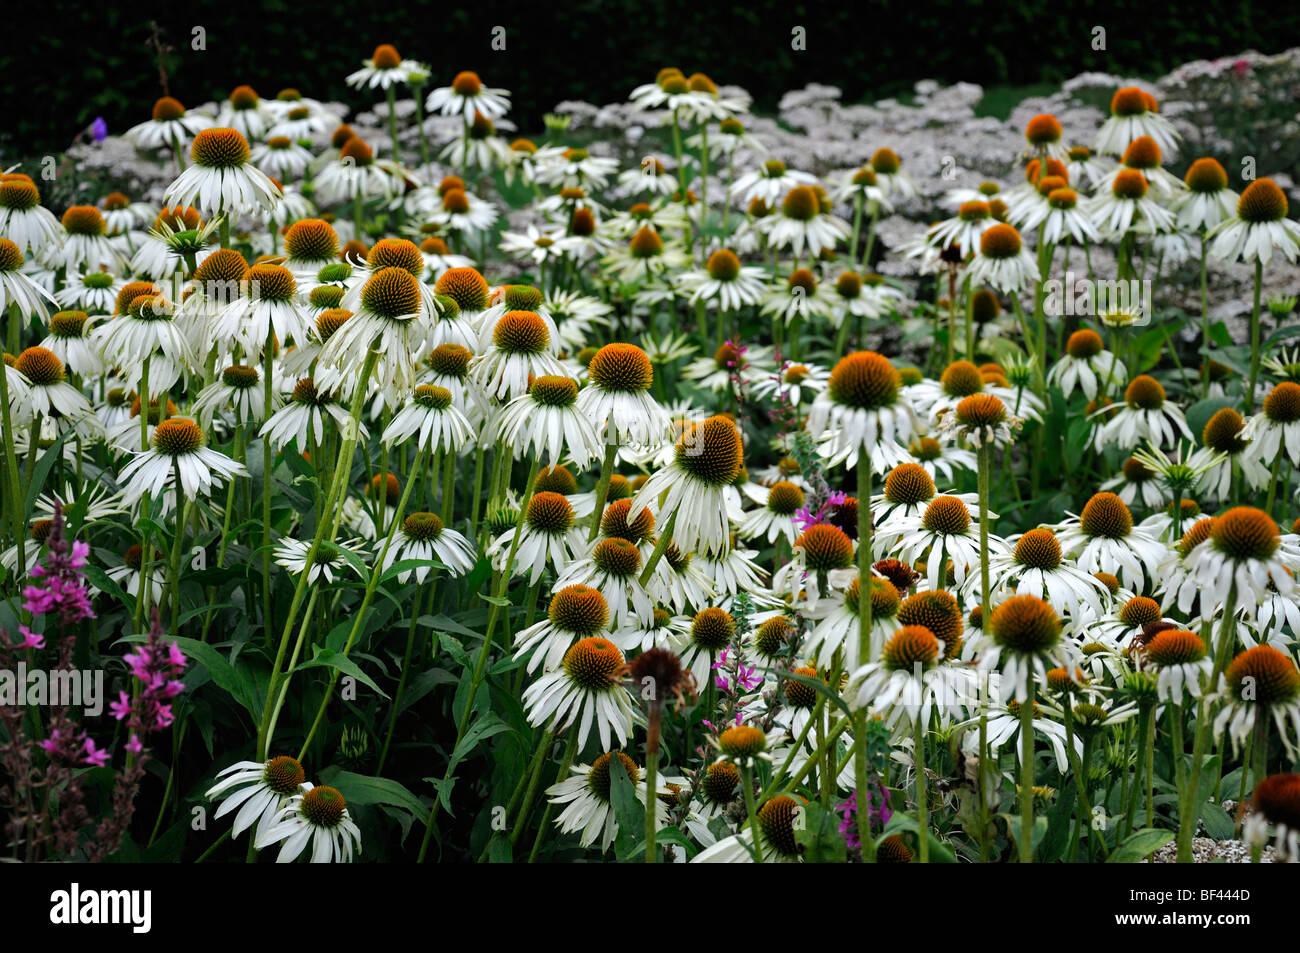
[(629, 811), (236, 680), (479, 729), (42, 471), (1139, 845), (361, 789), (101, 581), (818, 831), (1199, 414), (671, 835), (1218, 822), (940, 853), (328, 658)]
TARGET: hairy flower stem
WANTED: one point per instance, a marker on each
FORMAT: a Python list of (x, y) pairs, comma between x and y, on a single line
[(860, 769), (984, 465), (327, 528), (1254, 341), (12, 483), (376, 573), (1026, 841), (1189, 793), (747, 782), (602, 489), (480, 665), (570, 751), (655, 719), (661, 547)]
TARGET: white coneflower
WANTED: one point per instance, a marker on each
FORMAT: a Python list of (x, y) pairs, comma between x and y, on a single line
[(385, 68), (941, 460), (424, 537), (706, 459), (1146, 415), (130, 575), (319, 817), (1136, 480), (980, 419), (799, 383), (821, 562), (549, 537), (863, 410), (645, 256), (1133, 114), (268, 304), (724, 284), (520, 350), (1125, 206), (1207, 201), (1260, 226), (303, 418), (909, 682), (1260, 683), (431, 417), (944, 532), (176, 233), (545, 423), (714, 372), (888, 165), (613, 567), (147, 331), (1034, 566), (94, 292), (861, 185), (1001, 260), (541, 245), (964, 229), (356, 175), (259, 790), (1087, 365), (576, 316), (1143, 155), (332, 560), (1102, 538), (509, 298), (170, 126), (907, 491), (30, 226), (1243, 554), (85, 244), (804, 220), (463, 213), (1181, 661), (576, 612), (237, 394), (448, 367), (44, 390), (586, 692), (769, 182), (439, 258), (693, 102), (16, 289), (1276, 428), (467, 95), (477, 145), (222, 180), (1057, 215), (388, 313), (1024, 640), (800, 297), (733, 570), (617, 400), (1224, 451), (299, 117), (178, 450), (244, 110), (837, 632), (281, 158), (69, 340), (775, 519), (588, 806)]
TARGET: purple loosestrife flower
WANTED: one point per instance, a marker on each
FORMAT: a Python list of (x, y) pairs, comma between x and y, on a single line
[(875, 814), (157, 665), (58, 586)]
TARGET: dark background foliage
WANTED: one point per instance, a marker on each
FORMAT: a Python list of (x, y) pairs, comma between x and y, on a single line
[(86, 60)]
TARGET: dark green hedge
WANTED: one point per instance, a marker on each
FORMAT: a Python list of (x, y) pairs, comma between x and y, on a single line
[(82, 60)]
